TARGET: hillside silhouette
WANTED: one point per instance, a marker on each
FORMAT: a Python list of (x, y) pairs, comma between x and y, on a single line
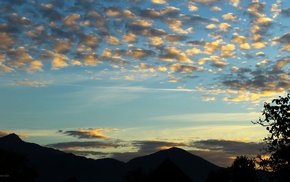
[(55, 165)]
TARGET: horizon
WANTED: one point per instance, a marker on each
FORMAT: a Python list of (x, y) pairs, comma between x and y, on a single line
[(125, 161), (128, 78)]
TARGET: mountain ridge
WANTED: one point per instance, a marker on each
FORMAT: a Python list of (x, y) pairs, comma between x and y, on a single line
[(63, 165)]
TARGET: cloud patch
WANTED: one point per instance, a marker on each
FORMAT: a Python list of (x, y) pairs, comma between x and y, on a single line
[(90, 133)]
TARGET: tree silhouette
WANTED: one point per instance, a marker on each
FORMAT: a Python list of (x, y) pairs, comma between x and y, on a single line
[(243, 169), (277, 122)]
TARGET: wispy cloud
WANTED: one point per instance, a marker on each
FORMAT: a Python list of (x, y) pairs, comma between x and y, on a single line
[(90, 133), (210, 117)]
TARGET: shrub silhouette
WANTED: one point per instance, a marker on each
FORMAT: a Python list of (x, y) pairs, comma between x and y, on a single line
[(243, 169)]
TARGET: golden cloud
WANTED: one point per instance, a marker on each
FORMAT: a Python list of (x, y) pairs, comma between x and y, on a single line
[(211, 26), (215, 8), (192, 8), (112, 40), (6, 40), (158, 1), (213, 46), (136, 53), (35, 66), (245, 46), (239, 39), (229, 17), (286, 47), (224, 27), (70, 21), (59, 62), (91, 60), (130, 37), (228, 47), (184, 58), (264, 21), (193, 51), (259, 45), (162, 68), (62, 47), (156, 41), (88, 133), (142, 23)]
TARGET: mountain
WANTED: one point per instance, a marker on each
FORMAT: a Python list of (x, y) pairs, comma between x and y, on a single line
[(58, 166), (193, 166)]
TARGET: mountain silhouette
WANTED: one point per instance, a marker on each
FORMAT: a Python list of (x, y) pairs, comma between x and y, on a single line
[(55, 165), (168, 171), (193, 166), (58, 166)]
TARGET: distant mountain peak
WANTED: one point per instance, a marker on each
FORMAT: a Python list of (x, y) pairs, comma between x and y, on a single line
[(174, 149), (11, 138)]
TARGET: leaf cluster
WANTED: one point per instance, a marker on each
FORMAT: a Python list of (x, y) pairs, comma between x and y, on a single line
[(277, 121)]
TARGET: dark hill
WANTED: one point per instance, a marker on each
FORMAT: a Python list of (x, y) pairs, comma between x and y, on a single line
[(193, 166), (55, 165)]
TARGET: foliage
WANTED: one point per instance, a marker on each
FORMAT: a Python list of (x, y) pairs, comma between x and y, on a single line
[(243, 169), (277, 121)]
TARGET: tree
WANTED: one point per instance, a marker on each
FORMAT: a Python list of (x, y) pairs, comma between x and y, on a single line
[(243, 169), (277, 121)]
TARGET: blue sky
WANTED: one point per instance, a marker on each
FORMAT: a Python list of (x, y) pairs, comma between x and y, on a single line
[(126, 78)]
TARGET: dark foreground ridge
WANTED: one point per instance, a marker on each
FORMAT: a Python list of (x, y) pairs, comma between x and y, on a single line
[(54, 165)]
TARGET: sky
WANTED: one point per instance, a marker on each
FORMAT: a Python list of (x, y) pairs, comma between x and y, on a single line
[(127, 78)]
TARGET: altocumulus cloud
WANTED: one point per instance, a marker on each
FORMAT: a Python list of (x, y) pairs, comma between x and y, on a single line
[(176, 42)]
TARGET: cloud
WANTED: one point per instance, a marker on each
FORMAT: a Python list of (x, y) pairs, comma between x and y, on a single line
[(77, 145), (59, 61), (256, 7), (7, 40), (223, 152), (158, 1), (71, 21), (111, 40), (245, 46), (215, 8), (236, 38), (130, 38), (210, 47), (284, 40), (192, 8), (140, 53), (230, 17), (184, 68), (91, 133), (285, 12), (224, 27), (32, 83), (4, 133), (147, 147), (211, 26), (218, 151), (259, 45), (19, 57)]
